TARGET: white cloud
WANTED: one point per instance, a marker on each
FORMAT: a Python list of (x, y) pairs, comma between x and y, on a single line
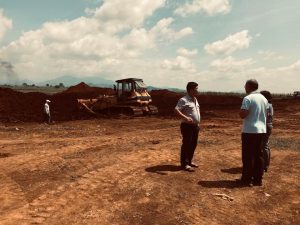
[(187, 52), (293, 68), (86, 46), (278, 80), (233, 42), (116, 45), (284, 79), (5, 24), (270, 55), (162, 30), (210, 7), (141, 39), (231, 64), (116, 15), (179, 63)]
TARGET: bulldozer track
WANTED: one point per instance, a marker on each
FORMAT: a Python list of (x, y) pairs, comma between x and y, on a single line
[(49, 205)]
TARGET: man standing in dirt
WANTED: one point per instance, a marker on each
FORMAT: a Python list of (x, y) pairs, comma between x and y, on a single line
[(188, 110), (254, 112), (47, 115)]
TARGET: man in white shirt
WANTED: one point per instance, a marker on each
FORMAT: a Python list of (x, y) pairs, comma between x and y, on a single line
[(188, 109), (47, 115), (254, 113)]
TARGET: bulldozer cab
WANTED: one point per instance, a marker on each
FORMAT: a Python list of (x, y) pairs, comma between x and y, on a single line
[(130, 88)]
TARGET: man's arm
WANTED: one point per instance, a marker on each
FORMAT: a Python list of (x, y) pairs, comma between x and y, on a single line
[(244, 113), (184, 117)]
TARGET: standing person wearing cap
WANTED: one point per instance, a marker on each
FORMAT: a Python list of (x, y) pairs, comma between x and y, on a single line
[(47, 115), (188, 109), (254, 113)]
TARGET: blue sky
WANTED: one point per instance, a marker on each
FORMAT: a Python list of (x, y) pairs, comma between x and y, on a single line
[(218, 43)]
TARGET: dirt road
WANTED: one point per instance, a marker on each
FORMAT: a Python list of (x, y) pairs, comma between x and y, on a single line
[(126, 172)]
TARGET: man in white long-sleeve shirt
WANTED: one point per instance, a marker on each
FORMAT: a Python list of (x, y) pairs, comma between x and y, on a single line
[(47, 115)]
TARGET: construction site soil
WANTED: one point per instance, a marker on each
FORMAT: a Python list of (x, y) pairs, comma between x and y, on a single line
[(125, 171), (28, 107)]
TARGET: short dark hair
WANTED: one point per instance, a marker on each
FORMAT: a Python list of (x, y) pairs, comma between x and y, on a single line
[(267, 95), (253, 84), (191, 85)]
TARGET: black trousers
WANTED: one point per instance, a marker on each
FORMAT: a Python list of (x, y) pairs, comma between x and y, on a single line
[(190, 134), (47, 118), (252, 157)]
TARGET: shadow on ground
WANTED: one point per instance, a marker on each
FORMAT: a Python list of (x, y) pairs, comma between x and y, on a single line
[(234, 170), (230, 184), (163, 169)]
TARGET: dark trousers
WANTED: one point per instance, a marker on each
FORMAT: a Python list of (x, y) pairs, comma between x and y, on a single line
[(47, 118), (252, 157), (190, 134), (266, 148)]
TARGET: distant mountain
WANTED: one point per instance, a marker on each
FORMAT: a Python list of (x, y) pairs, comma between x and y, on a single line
[(151, 88), (72, 80), (92, 81)]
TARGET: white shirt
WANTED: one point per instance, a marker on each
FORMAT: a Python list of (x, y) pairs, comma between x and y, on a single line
[(255, 122), (47, 108), (190, 107)]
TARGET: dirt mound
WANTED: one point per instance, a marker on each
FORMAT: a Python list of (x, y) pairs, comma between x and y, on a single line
[(166, 101), (84, 89), (79, 88), (18, 106)]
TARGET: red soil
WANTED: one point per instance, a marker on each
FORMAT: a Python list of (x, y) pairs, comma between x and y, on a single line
[(17, 106)]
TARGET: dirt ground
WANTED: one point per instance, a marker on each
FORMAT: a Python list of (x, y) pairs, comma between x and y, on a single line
[(125, 172)]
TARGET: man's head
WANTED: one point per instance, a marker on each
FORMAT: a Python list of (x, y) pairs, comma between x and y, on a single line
[(48, 101), (251, 85), (192, 89), (267, 95)]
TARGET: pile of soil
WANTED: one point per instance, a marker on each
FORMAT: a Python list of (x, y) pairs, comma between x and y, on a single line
[(84, 89), (17, 106), (166, 101)]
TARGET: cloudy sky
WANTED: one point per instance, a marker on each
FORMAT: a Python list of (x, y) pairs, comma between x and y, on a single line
[(217, 43)]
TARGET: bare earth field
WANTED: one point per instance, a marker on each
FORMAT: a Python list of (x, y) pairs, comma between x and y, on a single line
[(125, 172)]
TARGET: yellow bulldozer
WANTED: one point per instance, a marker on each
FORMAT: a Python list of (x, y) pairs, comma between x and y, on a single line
[(131, 98)]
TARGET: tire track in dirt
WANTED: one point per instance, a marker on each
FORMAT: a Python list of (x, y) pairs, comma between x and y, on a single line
[(12, 195), (53, 202)]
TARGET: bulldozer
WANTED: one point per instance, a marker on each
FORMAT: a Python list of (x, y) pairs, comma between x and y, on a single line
[(131, 98)]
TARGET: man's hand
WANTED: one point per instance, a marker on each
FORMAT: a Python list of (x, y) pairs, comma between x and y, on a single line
[(189, 120), (184, 117)]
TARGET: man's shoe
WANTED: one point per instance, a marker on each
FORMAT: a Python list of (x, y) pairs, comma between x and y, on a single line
[(188, 168), (194, 165)]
